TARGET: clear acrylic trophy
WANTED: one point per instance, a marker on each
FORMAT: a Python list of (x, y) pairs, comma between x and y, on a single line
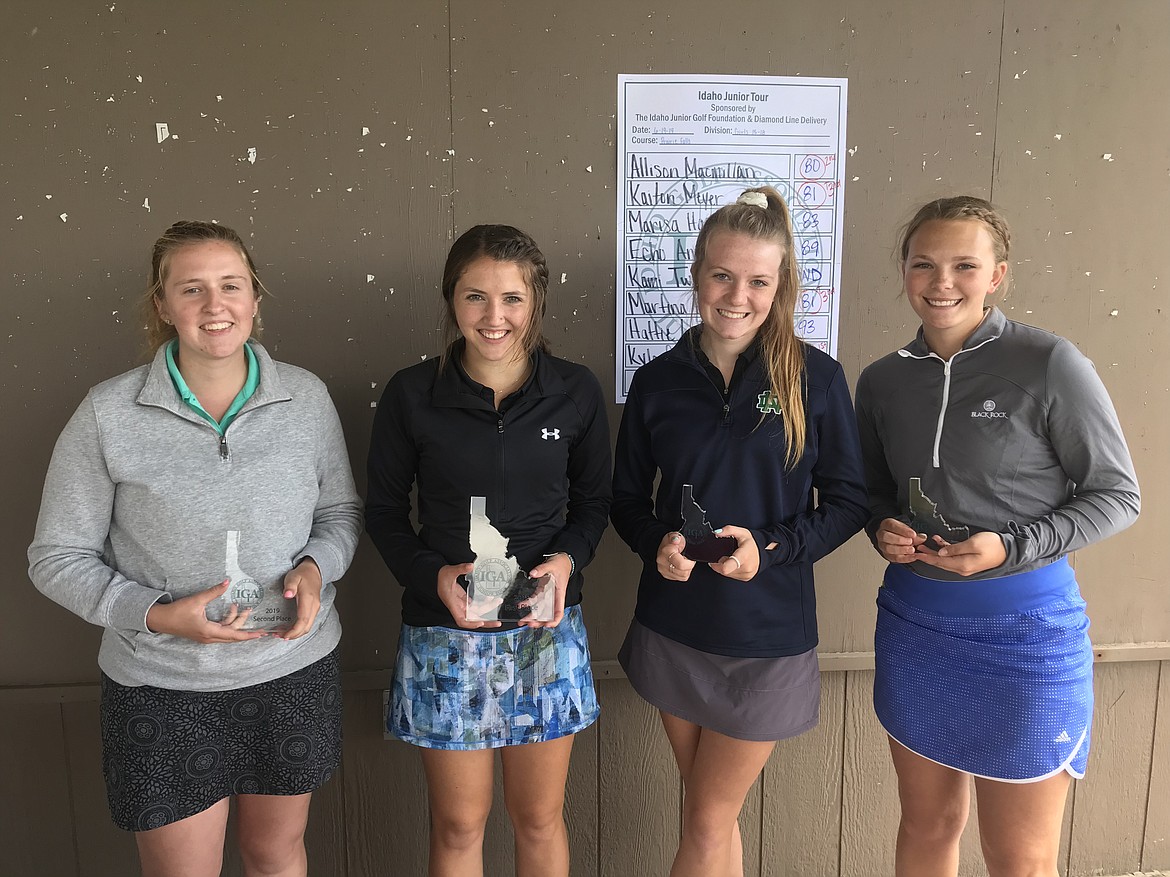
[(271, 610), (925, 518), (702, 543), (497, 589)]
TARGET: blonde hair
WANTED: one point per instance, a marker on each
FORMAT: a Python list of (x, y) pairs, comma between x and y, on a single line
[(182, 234), (782, 352), (962, 207)]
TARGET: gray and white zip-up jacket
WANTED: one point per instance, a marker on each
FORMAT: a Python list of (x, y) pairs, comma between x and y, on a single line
[(142, 492), (1015, 435)]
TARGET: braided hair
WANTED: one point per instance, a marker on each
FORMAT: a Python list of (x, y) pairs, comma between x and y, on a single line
[(960, 207)]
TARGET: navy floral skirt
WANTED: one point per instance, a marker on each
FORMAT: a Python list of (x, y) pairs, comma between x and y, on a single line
[(167, 755)]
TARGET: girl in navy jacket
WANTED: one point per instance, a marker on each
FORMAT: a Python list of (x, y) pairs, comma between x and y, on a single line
[(753, 420)]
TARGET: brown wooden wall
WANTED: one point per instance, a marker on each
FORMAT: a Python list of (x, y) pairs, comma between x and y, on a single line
[(825, 805), (504, 111)]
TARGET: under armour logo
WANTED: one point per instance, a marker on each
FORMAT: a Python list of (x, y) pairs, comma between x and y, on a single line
[(768, 402), (553, 434)]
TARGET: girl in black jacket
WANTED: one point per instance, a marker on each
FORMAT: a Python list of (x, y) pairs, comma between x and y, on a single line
[(497, 425)]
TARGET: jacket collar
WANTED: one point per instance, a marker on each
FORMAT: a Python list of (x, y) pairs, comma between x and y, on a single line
[(453, 389), (989, 330), (159, 390), (687, 349)]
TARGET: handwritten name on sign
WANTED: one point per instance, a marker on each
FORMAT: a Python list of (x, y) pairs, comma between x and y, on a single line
[(691, 145)]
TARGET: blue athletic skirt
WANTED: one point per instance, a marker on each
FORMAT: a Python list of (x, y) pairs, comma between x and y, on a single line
[(993, 677), (462, 689)]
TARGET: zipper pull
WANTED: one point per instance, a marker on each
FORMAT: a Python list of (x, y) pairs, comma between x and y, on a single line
[(223, 448), (500, 426)]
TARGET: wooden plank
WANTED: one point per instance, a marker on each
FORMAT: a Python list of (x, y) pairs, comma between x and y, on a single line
[(233, 863), (1062, 858), (384, 794), (1111, 801), (751, 828), (34, 808), (325, 835), (1156, 843), (581, 803), (970, 853), (103, 849), (801, 825), (1128, 652), (499, 853), (640, 790), (869, 800)]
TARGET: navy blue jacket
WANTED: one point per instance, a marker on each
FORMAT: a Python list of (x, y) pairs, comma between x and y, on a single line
[(543, 464), (679, 423)]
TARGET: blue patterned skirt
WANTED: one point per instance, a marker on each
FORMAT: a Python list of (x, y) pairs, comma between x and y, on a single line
[(993, 677), (460, 689)]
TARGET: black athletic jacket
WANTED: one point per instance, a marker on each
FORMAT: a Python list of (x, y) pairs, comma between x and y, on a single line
[(543, 463)]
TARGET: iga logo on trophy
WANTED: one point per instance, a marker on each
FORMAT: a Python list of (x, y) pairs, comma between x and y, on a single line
[(497, 589)]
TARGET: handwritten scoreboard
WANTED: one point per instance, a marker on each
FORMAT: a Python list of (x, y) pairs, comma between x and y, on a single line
[(690, 144)]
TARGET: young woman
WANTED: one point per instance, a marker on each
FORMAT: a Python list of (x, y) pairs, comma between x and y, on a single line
[(168, 481), (753, 420), (500, 418), (992, 450)]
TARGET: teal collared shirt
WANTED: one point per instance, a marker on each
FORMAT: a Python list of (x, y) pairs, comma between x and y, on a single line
[(251, 382)]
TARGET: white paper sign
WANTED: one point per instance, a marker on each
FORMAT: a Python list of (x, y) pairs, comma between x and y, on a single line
[(690, 144)]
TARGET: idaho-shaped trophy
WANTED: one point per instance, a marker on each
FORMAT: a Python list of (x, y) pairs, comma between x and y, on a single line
[(926, 518), (497, 589), (702, 543), (271, 610)]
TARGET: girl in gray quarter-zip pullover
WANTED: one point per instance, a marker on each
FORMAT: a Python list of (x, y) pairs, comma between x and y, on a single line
[(991, 451), (199, 509)]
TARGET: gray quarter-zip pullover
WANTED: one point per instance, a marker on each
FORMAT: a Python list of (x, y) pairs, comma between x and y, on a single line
[(1015, 435)]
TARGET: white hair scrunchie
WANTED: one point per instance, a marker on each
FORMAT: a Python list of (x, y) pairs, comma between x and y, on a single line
[(753, 199)]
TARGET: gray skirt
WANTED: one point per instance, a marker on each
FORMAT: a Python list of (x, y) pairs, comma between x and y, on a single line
[(757, 699)]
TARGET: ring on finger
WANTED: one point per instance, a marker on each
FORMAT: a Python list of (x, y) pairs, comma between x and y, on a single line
[(738, 565)]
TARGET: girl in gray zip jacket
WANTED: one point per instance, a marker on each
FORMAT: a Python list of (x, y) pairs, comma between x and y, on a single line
[(211, 467), (991, 451)]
